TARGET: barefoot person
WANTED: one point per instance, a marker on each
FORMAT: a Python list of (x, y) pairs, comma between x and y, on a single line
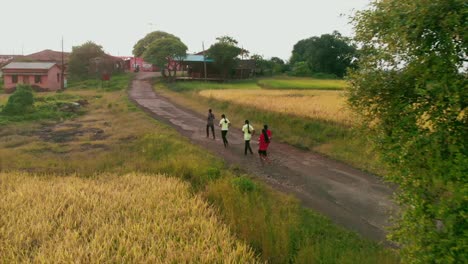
[(248, 131), (224, 124), (263, 143), (210, 124)]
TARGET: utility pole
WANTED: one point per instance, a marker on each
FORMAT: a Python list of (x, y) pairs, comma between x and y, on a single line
[(62, 83), (204, 58), (242, 59)]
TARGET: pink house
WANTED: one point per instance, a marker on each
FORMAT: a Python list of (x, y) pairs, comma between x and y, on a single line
[(42, 76)]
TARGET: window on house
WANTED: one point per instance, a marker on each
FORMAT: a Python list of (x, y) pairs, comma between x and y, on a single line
[(37, 79), (14, 78), (58, 77)]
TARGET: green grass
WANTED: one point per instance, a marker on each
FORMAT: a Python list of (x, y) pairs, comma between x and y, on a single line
[(302, 83), (197, 85), (274, 224), (117, 82), (266, 83)]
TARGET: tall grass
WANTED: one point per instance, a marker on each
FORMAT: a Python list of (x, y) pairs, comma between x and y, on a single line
[(125, 219), (320, 105), (284, 232), (302, 83)]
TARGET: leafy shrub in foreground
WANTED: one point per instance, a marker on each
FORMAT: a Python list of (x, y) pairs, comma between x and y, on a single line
[(20, 102)]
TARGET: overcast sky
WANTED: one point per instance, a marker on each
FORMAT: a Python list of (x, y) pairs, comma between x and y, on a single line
[(269, 28)]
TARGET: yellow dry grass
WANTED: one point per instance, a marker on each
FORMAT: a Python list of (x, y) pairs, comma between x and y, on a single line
[(112, 219), (324, 105)]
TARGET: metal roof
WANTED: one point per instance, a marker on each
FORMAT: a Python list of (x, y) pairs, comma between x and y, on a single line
[(29, 65), (196, 58)]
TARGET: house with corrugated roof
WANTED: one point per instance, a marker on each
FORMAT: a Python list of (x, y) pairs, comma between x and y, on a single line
[(42, 76)]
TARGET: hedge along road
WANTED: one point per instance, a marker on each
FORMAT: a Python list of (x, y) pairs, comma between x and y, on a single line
[(351, 198)]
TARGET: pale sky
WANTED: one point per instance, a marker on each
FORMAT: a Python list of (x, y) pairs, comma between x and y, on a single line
[(269, 28)]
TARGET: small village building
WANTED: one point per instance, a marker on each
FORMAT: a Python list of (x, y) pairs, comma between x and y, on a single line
[(42, 76), (134, 64), (194, 65), (106, 64)]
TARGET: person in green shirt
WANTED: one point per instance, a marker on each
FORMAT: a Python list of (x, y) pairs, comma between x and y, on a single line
[(224, 124), (248, 131)]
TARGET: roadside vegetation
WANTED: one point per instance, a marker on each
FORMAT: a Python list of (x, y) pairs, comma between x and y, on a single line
[(117, 82), (123, 140), (310, 119)]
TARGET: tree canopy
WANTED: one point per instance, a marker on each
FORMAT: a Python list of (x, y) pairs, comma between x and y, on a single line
[(80, 57), (140, 47), (329, 53), (225, 54), (411, 89), (166, 53)]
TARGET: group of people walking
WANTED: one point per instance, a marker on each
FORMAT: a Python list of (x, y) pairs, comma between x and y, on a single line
[(248, 130)]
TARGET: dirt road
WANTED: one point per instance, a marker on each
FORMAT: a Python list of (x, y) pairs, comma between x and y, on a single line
[(351, 198)]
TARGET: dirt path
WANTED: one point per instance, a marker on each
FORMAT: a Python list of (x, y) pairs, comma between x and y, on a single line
[(351, 198)]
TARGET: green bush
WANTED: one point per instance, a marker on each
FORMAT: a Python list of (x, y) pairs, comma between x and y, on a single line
[(301, 69), (20, 102)]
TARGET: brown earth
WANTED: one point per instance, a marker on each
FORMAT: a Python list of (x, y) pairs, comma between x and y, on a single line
[(351, 198)]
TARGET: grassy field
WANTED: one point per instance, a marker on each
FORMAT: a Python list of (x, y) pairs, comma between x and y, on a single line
[(197, 85), (117, 82), (308, 119), (113, 139), (301, 83), (313, 104), (120, 219)]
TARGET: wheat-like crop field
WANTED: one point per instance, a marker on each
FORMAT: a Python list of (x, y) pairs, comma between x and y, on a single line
[(113, 219), (317, 104)]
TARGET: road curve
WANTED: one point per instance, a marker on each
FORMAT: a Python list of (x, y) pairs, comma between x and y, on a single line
[(351, 198)]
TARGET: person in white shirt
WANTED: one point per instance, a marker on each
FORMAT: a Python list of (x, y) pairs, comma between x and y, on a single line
[(248, 131), (224, 124)]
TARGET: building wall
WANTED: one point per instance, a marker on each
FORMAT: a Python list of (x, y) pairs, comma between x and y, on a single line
[(53, 83), (48, 79)]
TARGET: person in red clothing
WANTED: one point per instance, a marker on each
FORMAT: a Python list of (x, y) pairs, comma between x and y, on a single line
[(263, 143)]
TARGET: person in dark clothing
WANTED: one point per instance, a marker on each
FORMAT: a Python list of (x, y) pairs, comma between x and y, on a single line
[(210, 124)]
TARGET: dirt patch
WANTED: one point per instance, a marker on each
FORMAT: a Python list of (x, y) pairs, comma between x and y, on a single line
[(89, 146), (58, 134)]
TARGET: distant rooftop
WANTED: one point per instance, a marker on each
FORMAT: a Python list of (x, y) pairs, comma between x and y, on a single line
[(48, 55), (30, 65)]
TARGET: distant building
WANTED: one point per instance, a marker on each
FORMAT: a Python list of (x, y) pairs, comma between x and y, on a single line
[(42, 76), (106, 64), (132, 63), (194, 65)]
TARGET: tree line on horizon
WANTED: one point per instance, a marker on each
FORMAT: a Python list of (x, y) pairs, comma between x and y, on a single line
[(326, 56)]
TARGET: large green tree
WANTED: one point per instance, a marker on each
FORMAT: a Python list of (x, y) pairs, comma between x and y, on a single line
[(78, 65), (167, 53), (225, 53), (329, 53), (411, 88), (140, 47)]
